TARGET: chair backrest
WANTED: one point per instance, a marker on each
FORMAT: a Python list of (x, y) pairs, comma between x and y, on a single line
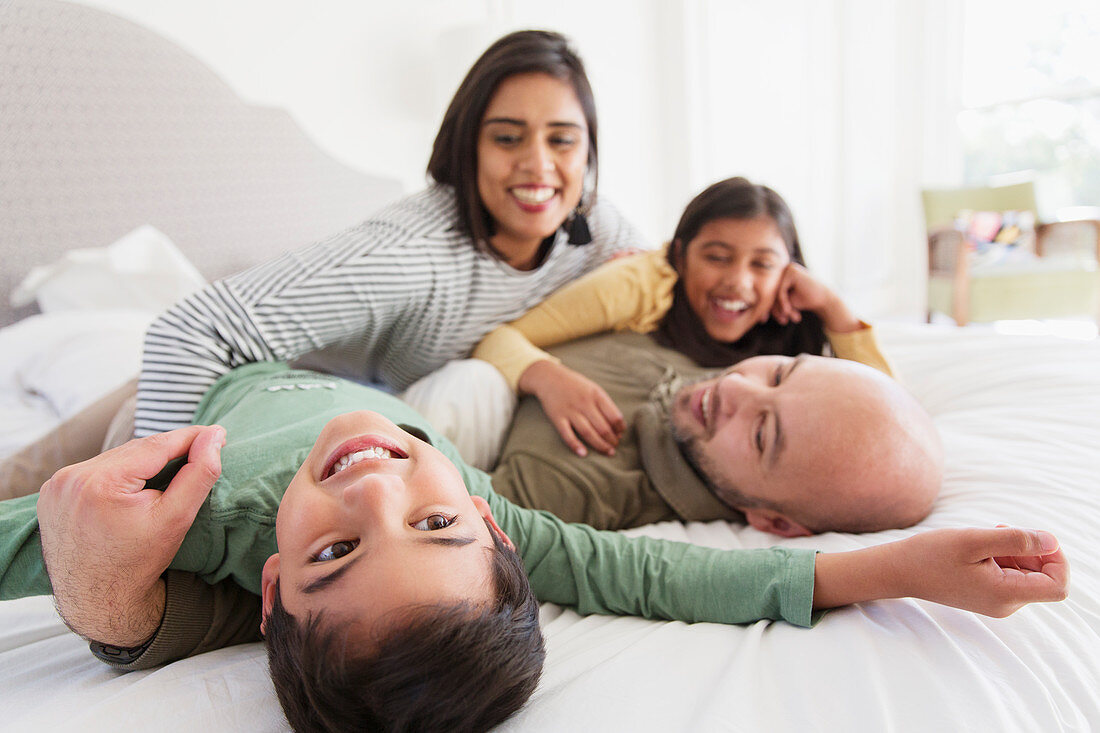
[(942, 205)]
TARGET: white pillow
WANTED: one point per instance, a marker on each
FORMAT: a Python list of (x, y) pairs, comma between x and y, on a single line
[(70, 359), (143, 270), (470, 404)]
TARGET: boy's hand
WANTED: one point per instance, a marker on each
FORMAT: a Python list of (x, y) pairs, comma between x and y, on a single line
[(575, 405), (990, 571), (800, 291), (106, 539)]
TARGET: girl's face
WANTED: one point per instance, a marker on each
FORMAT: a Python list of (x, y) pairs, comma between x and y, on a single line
[(532, 155), (731, 272)]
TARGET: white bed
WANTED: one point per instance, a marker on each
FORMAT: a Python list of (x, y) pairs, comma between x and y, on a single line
[(1020, 418)]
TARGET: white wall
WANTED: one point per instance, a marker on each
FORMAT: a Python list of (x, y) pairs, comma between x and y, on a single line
[(370, 79), (828, 101)]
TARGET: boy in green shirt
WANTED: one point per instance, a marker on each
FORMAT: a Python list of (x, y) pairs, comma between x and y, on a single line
[(389, 548)]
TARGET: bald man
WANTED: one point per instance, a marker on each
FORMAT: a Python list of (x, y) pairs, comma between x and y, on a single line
[(794, 446)]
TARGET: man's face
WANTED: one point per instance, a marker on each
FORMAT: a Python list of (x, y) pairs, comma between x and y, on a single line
[(376, 520), (789, 439)]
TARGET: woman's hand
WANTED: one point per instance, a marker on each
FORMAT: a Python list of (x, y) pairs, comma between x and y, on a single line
[(800, 291), (575, 405)]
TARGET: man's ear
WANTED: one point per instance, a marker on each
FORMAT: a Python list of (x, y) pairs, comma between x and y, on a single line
[(487, 515), (268, 581), (769, 520)]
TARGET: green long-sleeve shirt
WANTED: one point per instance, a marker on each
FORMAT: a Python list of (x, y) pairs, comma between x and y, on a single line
[(272, 416)]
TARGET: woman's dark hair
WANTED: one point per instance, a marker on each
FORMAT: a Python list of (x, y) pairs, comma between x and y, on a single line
[(453, 668), (681, 329), (454, 158)]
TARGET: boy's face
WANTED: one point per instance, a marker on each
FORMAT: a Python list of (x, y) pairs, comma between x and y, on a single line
[(376, 520)]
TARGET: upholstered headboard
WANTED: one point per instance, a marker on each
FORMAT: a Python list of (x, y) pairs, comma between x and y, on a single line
[(105, 126)]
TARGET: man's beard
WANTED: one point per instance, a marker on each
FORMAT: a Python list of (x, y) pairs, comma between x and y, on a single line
[(678, 412), (675, 403)]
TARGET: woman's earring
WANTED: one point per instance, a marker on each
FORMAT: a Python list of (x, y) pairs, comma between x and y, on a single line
[(577, 225)]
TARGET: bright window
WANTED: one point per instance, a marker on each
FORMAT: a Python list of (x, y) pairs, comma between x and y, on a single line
[(1031, 96)]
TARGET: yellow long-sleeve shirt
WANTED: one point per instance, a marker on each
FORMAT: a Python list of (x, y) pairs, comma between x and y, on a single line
[(631, 293)]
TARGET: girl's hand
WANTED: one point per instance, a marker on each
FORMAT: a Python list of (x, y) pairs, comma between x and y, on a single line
[(800, 291), (575, 405)]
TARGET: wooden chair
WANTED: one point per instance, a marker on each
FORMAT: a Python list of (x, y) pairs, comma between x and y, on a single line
[(1063, 281)]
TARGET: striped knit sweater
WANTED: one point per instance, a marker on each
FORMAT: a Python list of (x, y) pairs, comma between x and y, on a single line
[(389, 300)]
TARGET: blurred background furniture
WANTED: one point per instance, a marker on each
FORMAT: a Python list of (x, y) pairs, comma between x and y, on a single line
[(1050, 271)]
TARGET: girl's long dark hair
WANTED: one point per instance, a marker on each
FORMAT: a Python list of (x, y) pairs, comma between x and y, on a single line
[(682, 330)]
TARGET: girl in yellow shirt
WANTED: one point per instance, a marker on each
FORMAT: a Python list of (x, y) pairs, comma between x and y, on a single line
[(731, 284)]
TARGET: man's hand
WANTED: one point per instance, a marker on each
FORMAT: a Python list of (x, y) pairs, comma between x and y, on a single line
[(990, 571), (575, 405), (106, 539), (800, 291)]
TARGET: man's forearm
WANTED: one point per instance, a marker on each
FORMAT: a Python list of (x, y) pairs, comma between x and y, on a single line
[(109, 619)]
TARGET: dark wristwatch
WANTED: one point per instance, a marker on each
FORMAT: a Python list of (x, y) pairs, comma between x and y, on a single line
[(117, 654)]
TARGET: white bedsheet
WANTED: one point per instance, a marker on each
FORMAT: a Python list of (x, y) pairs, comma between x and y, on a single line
[(1020, 417)]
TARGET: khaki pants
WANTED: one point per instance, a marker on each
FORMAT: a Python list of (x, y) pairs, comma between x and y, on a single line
[(104, 424)]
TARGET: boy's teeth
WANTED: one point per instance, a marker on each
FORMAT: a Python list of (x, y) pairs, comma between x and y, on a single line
[(353, 458), (538, 195), (732, 305), (706, 408)]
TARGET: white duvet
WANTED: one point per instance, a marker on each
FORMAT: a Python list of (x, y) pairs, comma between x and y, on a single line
[(1020, 419)]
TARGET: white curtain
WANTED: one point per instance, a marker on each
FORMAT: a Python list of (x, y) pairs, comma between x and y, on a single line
[(846, 108)]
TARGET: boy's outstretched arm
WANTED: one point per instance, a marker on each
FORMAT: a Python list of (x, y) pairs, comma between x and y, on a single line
[(989, 571)]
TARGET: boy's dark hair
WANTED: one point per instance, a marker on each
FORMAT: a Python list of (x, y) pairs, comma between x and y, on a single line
[(681, 329), (452, 668), (454, 158)]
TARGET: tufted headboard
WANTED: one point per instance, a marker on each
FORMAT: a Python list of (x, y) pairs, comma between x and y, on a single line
[(105, 126)]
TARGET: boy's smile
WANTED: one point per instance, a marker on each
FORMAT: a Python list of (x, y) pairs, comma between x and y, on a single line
[(357, 450)]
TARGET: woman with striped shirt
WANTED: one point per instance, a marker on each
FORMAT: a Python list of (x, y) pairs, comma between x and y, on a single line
[(510, 216)]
